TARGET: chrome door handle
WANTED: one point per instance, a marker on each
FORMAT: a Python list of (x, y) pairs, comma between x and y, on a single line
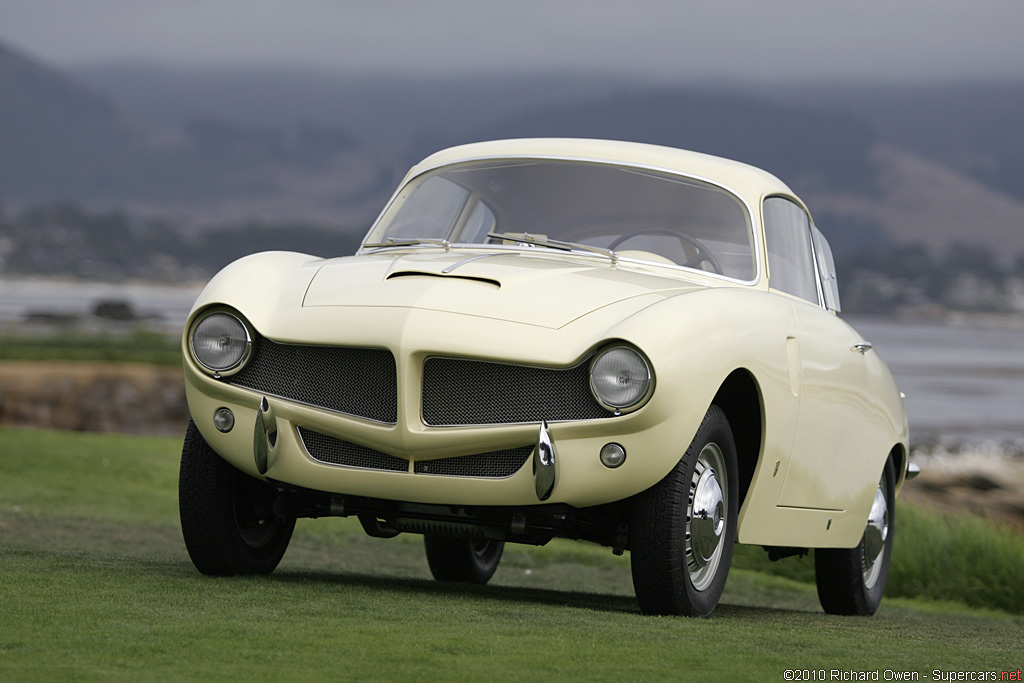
[(862, 347)]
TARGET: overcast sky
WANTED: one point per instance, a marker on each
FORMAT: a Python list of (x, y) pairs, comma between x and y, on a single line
[(677, 39)]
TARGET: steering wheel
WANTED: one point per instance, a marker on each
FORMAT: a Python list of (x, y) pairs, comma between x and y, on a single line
[(703, 254)]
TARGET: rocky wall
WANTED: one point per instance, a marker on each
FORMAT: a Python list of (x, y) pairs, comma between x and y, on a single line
[(103, 397)]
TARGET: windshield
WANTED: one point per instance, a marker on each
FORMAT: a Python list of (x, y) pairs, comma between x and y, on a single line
[(640, 214)]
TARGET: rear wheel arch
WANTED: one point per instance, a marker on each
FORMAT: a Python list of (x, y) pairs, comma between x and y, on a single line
[(739, 397)]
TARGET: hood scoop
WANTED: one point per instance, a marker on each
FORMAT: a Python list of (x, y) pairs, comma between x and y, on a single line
[(404, 274)]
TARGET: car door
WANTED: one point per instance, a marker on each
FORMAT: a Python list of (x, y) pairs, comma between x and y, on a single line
[(830, 376)]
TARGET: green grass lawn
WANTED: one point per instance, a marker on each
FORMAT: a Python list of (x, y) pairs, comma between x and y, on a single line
[(95, 584), (140, 345)]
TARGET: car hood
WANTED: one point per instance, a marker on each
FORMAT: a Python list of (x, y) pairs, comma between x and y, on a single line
[(544, 290)]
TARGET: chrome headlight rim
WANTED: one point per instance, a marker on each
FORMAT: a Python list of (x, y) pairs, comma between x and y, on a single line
[(236, 365), (618, 407)]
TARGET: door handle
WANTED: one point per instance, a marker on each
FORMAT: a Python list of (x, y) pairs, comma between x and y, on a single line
[(862, 347)]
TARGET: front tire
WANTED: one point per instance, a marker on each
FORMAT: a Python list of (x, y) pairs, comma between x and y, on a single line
[(682, 529), (227, 517), (852, 581), (462, 560)]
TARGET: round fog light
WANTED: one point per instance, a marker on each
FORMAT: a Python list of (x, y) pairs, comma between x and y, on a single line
[(613, 455), (224, 420)]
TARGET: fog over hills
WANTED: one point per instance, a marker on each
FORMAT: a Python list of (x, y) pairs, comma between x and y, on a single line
[(935, 164), (56, 136)]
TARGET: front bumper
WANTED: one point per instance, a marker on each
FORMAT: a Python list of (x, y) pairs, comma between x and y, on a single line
[(267, 441)]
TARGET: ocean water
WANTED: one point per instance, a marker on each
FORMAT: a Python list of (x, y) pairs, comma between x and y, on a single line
[(964, 382), (71, 304)]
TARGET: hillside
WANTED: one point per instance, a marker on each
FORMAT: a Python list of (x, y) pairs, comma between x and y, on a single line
[(809, 148), (974, 128), (61, 140), (922, 201), (57, 138), (191, 148)]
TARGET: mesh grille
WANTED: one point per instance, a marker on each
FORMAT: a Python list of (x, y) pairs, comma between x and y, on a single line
[(469, 392), (353, 381), (494, 465), (337, 452)]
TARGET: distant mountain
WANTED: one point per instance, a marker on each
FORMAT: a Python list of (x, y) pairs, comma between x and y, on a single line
[(975, 128), (936, 164), (384, 111), (809, 149), (922, 201), (61, 140), (862, 192), (57, 138)]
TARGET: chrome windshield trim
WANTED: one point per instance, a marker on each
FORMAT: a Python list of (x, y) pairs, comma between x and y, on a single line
[(391, 242)]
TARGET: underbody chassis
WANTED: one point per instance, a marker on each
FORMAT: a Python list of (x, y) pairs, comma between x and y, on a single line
[(533, 525)]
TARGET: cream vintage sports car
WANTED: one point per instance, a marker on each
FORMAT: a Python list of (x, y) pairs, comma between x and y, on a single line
[(621, 343)]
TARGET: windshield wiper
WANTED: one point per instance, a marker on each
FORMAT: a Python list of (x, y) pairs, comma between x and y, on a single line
[(409, 242), (537, 240)]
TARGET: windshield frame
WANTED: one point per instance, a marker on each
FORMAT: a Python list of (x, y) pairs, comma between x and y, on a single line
[(751, 215)]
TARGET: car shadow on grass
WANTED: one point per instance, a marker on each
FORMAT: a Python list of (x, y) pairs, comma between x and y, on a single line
[(506, 595)]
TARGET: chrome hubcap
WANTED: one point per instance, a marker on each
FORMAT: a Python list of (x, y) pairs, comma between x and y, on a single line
[(875, 534), (708, 516), (705, 516)]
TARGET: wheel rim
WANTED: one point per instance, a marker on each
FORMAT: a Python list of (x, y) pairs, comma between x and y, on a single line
[(875, 534), (706, 516), (254, 516)]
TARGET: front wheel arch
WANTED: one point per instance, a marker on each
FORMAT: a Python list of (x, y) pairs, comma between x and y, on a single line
[(739, 397)]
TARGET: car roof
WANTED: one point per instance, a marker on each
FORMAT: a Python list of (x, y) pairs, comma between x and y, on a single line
[(747, 181)]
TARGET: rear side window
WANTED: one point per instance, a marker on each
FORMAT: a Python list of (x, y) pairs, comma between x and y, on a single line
[(790, 253), (826, 269)]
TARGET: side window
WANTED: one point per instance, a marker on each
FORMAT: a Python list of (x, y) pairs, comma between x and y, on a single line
[(790, 257), (827, 270)]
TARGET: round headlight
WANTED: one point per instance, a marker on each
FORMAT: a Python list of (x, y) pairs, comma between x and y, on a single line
[(220, 342), (619, 377)]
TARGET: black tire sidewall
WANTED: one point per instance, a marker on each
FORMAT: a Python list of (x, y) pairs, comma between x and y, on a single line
[(207, 489), (455, 559), (839, 574), (658, 527), (705, 601)]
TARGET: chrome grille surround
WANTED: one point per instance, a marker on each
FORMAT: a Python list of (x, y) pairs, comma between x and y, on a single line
[(349, 380), (460, 391), (492, 465)]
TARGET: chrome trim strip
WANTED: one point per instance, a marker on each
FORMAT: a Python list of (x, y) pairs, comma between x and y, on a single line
[(463, 262)]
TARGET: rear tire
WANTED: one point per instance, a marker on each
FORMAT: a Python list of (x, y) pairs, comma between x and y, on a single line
[(852, 581), (227, 517), (683, 528), (462, 560)]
